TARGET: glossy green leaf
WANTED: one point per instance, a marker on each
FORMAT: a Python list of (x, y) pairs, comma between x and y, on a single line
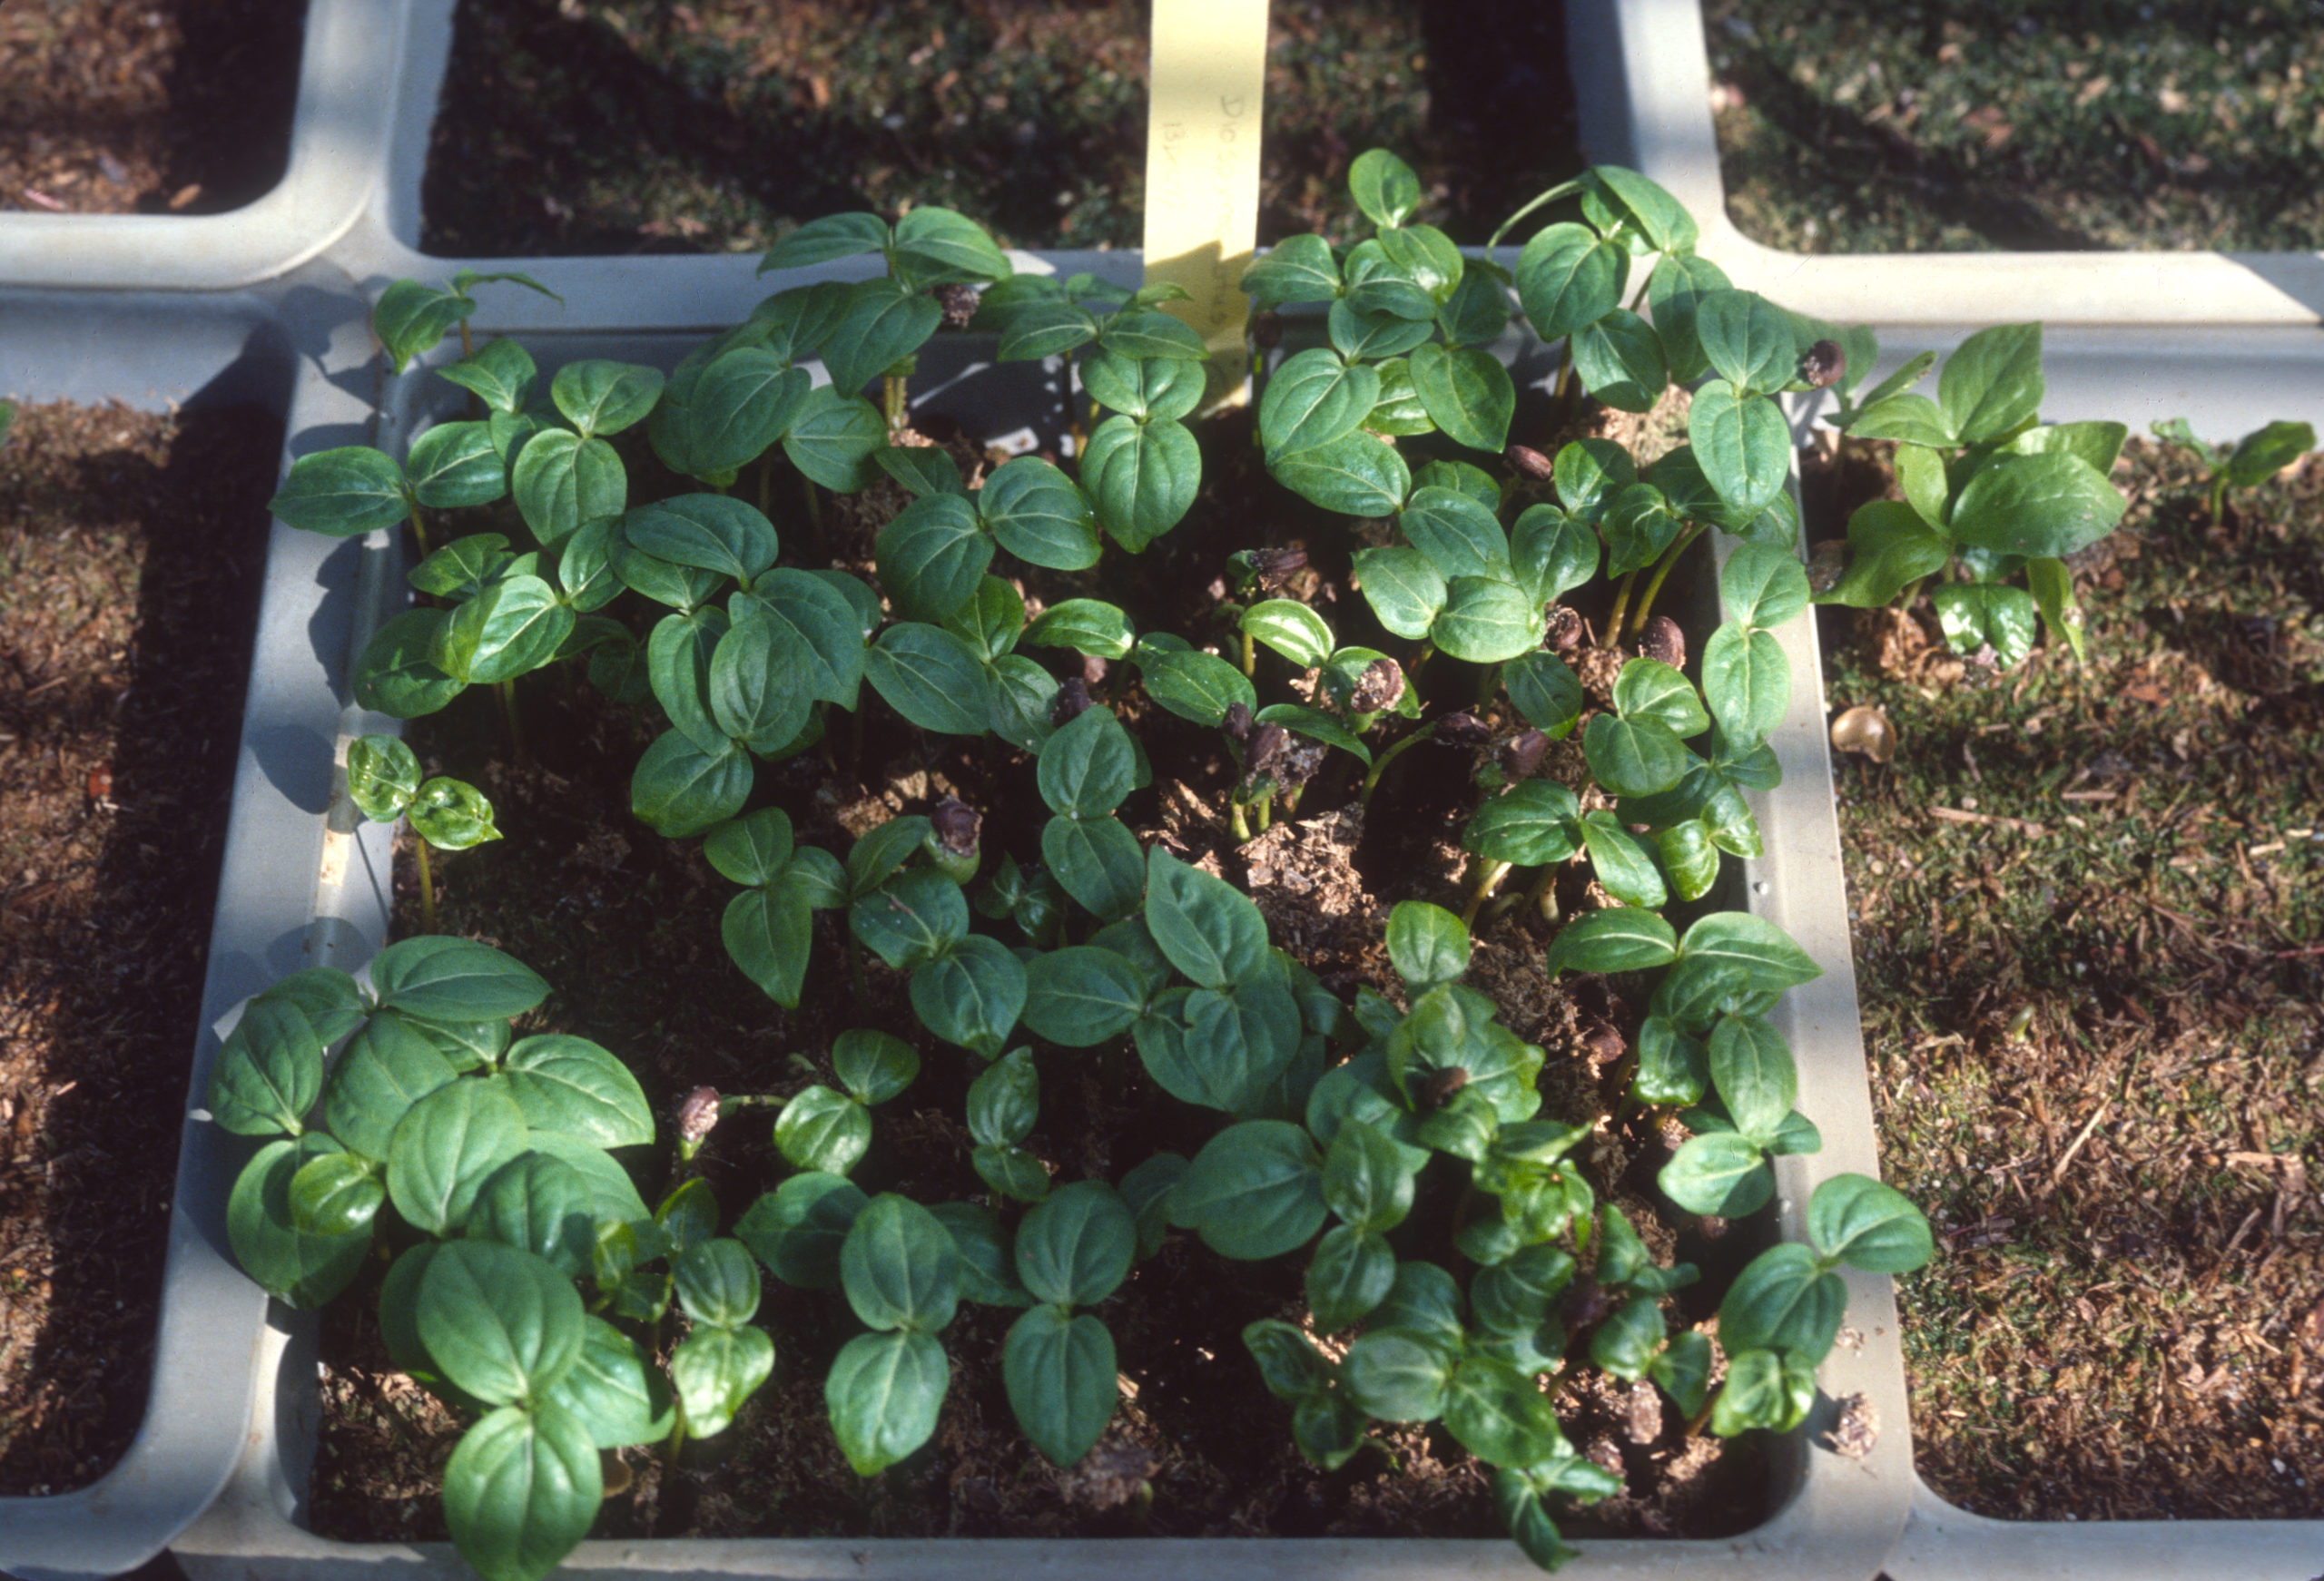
[(972, 996), (1550, 554), (1289, 628), (1747, 339), (1059, 1369), (798, 1228), (1315, 397), (300, 1267), (1856, 1220), (1089, 766), (1074, 1248), (900, 1267), (885, 322), (574, 1086), (1368, 1180), (679, 790), (1721, 1173), (1098, 862), (438, 978), (1764, 1389), (715, 1368), (884, 1393), (822, 1130), (1468, 392), (1971, 614), (1082, 996), (1349, 1274), (2046, 506), (1761, 586), (1743, 443), (1532, 824), (1298, 268), (1890, 546), (873, 1067), (932, 556), (768, 933), (270, 1072), (834, 438), (1756, 1078), (539, 1204), (410, 319), (455, 464), (1639, 524), (342, 493), (1405, 592), (1568, 278), (521, 1489), (611, 1391), (1747, 680), (1991, 384), (1486, 620), (1679, 282), (1618, 360), (1289, 1364), (1037, 514), (1783, 1301), (1499, 1414), (1255, 1191), (1140, 477), (934, 246), (1086, 625), (823, 241), (914, 917), (1621, 938), (1355, 475), (1383, 187), (1193, 685), (502, 1324), (1209, 929), (447, 1145), (387, 1067), (930, 677), (600, 397)]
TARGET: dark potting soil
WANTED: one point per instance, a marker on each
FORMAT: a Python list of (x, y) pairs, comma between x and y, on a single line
[(625, 926), (145, 106), (621, 126), (131, 545)]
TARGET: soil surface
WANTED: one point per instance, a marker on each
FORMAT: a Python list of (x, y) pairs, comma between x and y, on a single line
[(2089, 900), (129, 549), (598, 126), (145, 106), (624, 926)]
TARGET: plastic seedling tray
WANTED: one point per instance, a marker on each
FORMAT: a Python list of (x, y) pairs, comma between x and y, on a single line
[(1641, 73), (2224, 386), (1829, 1516), (154, 352), (345, 108)]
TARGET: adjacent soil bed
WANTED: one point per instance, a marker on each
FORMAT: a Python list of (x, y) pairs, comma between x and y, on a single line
[(2088, 906), (1966, 125), (715, 126), (145, 106), (130, 551), (623, 924)]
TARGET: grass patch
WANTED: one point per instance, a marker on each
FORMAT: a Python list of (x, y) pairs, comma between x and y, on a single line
[(2092, 1005), (1873, 126)]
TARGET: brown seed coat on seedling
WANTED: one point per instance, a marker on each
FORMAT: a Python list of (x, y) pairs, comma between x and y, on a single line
[(1865, 730)]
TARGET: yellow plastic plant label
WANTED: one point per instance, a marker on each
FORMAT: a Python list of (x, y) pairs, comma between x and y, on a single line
[(1202, 159)]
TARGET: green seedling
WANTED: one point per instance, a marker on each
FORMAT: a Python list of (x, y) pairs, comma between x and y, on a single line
[(1451, 1247), (2250, 462), (383, 780), (530, 1283), (1991, 494)]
